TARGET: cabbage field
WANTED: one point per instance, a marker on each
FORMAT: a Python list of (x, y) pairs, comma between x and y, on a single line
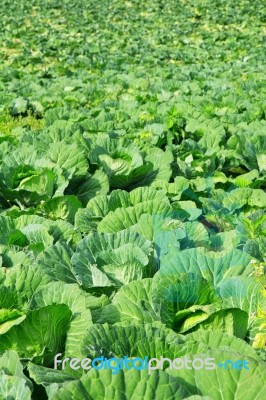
[(132, 200)]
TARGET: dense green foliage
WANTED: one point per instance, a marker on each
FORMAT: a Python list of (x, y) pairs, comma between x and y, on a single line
[(132, 195)]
